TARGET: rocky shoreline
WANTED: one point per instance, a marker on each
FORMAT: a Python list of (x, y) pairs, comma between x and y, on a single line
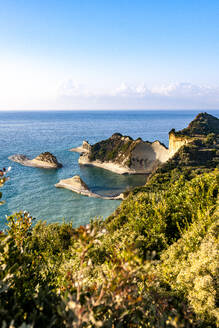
[(110, 166)]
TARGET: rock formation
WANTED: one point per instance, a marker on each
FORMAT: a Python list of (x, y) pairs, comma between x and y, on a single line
[(196, 146), (177, 141), (77, 185), (123, 155), (84, 148), (45, 160), (203, 125)]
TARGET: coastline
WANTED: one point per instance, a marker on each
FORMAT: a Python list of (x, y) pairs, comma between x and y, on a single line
[(27, 186), (40, 164), (79, 150), (110, 166), (82, 189)]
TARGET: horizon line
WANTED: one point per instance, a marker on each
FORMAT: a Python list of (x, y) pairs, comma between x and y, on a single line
[(104, 110)]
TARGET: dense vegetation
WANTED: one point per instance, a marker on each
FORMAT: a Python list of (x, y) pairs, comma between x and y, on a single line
[(117, 147), (203, 124), (152, 263)]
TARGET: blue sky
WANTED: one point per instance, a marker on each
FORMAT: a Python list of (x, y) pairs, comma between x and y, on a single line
[(90, 54)]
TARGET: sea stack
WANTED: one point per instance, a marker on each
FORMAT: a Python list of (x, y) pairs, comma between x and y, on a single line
[(44, 160)]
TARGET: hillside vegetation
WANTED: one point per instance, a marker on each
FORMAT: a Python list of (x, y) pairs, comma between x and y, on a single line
[(152, 263), (202, 125), (116, 147)]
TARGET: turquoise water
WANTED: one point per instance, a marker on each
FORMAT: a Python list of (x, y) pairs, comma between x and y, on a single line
[(31, 133)]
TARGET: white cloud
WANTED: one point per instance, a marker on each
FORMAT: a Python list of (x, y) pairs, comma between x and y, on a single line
[(185, 90), (71, 88), (141, 89), (129, 90), (73, 95)]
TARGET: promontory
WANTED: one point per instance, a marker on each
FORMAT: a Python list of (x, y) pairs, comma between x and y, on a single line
[(123, 155)]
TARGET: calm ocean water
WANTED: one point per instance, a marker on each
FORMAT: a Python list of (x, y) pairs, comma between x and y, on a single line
[(31, 133)]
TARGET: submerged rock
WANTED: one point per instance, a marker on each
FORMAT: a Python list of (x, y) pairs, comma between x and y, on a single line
[(44, 160), (76, 184)]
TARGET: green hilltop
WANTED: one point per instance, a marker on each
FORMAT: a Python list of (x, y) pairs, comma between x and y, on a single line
[(203, 124)]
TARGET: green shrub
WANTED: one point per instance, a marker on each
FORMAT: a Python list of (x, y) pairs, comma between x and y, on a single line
[(210, 138), (124, 292), (29, 262), (190, 267), (152, 221), (3, 179)]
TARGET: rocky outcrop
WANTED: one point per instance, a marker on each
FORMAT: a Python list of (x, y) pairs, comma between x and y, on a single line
[(123, 155), (45, 160), (176, 142), (76, 184), (84, 148), (200, 128)]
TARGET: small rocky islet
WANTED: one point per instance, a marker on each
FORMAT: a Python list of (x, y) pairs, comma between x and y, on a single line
[(45, 160), (196, 145), (76, 184)]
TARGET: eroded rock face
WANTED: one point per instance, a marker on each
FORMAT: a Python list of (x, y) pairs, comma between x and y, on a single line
[(45, 160), (84, 148), (48, 158), (123, 155), (176, 142), (203, 125), (148, 156)]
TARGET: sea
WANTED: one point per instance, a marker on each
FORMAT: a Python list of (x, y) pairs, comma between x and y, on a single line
[(33, 132)]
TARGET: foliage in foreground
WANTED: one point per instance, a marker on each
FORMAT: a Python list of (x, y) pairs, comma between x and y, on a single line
[(3, 179), (190, 267), (126, 295), (151, 265)]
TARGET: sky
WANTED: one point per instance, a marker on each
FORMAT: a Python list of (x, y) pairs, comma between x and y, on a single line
[(109, 54)]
